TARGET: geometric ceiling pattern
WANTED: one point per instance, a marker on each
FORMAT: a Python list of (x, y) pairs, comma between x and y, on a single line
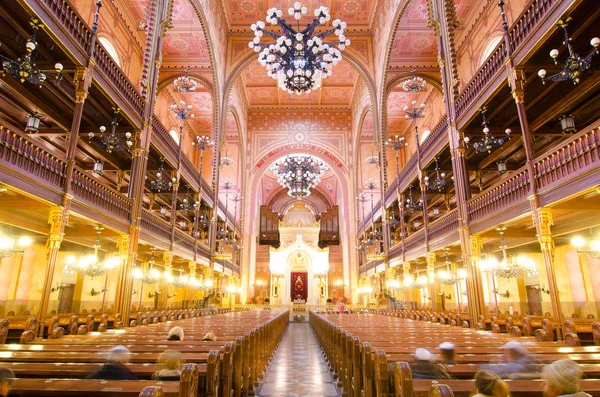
[(358, 14)]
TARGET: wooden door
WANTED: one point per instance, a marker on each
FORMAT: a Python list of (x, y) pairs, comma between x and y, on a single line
[(65, 298)]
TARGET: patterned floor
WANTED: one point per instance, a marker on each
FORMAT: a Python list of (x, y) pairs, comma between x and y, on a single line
[(298, 368)]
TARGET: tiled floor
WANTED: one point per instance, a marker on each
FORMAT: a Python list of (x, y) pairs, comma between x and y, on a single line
[(298, 368)]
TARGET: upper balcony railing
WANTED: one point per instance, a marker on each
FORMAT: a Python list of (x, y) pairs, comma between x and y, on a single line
[(75, 27), (98, 196), (443, 226), (529, 20), (156, 226)]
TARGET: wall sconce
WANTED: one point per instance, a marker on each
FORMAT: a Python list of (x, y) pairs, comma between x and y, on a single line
[(57, 288), (436, 211), (93, 292), (501, 167), (135, 292), (170, 296), (542, 289), (567, 124), (447, 297), (153, 294), (502, 294), (33, 122), (163, 210), (98, 167)]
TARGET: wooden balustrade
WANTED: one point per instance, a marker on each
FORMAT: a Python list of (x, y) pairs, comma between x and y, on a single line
[(500, 196), (70, 21), (156, 226), (528, 20), (578, 154), (18, 153), (184, 240), (486, 73), (414, 240), (443, 226), (99, 196), (163, 140), (437, 134)]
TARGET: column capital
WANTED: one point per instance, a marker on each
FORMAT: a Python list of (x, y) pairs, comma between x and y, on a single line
[(516, 82), (57, 219), (476, 244), (431, 257), (82, 80), (192, 267), (545, 221), (123, 244), (168, 259)]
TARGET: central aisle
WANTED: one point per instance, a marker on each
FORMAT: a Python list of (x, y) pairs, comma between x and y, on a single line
[(298, 368)]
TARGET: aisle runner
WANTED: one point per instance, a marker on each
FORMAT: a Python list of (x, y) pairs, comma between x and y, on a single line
[(298, 368)]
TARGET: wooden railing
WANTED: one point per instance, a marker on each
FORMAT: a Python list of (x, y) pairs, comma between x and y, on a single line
[(443, 226), (71, 22), (156, 226), (88, 190), (523, 27), (414, 240), (75, 26), (437, 134), (184, 240), (165, 141), (19, 154), (500, 196), (578, 154)]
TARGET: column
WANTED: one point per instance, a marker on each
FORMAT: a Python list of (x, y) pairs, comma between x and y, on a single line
[(543, 222), (407, 288), (191, 295), (475, 295), (57, 220), (174, 200), (164, 297), (124, 274), (431, 257)]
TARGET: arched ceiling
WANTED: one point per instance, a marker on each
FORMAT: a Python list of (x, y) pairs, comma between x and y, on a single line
[(261, 90), (359, 14)]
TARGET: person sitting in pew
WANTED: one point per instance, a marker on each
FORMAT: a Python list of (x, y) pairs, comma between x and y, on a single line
[(171, 362), (520, 364), (114, 368), (175, 333), (6, 377), (447, 353), (424, 366), (488, 384), (210, 336), (562, 379)]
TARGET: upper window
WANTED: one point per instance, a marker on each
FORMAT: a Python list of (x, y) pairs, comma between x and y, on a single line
[(110, 48), (491, 45), (424, 135), (175, 135)]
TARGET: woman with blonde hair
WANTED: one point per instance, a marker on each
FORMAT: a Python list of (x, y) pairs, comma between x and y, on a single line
[(171, 363), (488, 384)]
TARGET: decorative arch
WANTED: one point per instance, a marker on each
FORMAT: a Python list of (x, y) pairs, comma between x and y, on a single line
[(489, 47), (356, 141)]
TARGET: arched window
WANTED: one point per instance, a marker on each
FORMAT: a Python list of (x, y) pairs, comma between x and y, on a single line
[(110, 48), (424, 135), (174, 134), (489, 47)]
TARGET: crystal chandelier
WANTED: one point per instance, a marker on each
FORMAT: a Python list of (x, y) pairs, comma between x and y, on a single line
[(488, 142), (510, 267), (367, 241), (187, 204), (439, 182), (299, 174), (299, 59), (180, 281), (24, 68), (414, 84), (202, 143), (160, 184), (574, 67), (9, 245), (396, 143), (447, 277), (89, 265), (151, 275), (411, 205), (593, 245), (112, 142), (185, 83), (420, 281)]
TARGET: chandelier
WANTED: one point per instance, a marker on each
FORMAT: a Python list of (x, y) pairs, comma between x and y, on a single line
[(299, 59), (185, 83), (367, 241), (447, 277), (414, 84), (418, 282), (509, 267), (396, 143), (187, 204), (10, 245), (411, 205), (89, 265), (439, 182), (178, 282), (112, 142), (150, 275), (574, 67), (160, 184), (593, 246), (202, 143), (299, 174), (24, 68), (488, 142)]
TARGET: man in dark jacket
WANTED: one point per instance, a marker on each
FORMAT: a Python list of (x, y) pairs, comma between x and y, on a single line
[(6, 377), (424, 366), (114, 368)]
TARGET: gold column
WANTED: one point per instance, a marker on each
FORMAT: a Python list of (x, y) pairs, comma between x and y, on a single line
[(122, 279), (57, 219), (406, 290), (471, 253), (126, 280), (431, 280), (164, 297), (191, 288), (542, 218)]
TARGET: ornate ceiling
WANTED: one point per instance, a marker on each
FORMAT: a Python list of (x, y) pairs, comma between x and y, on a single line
[(358, 14)]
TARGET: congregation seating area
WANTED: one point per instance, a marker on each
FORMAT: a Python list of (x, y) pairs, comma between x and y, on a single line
[(369, 353), (229, 365)]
